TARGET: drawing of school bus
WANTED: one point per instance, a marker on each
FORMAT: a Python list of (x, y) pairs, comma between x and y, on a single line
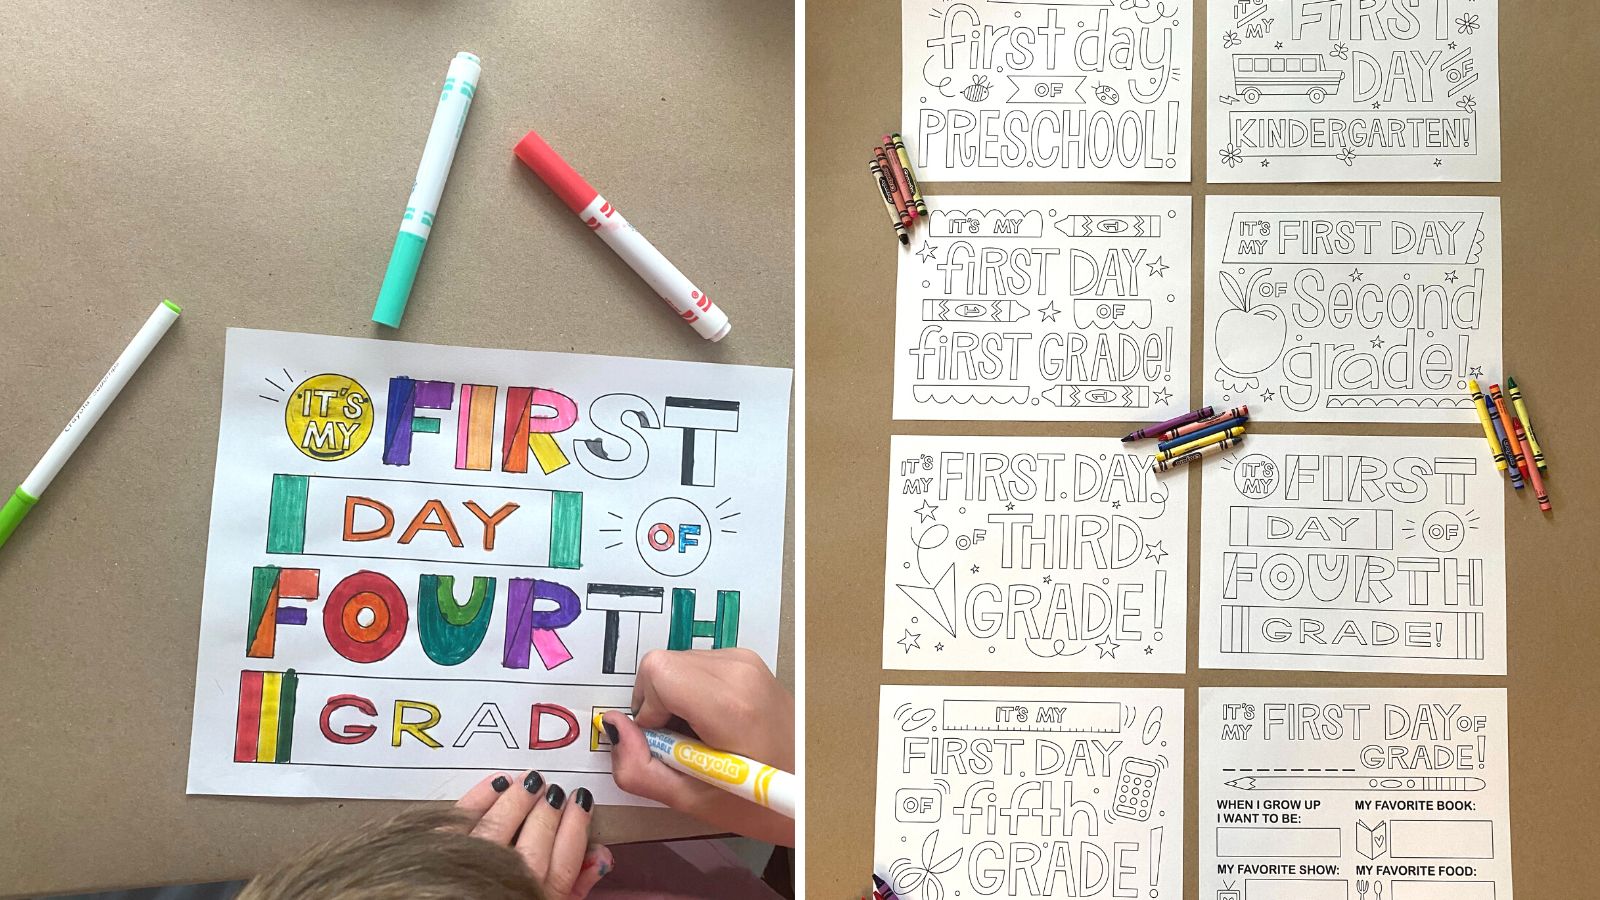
[(1258, 74)]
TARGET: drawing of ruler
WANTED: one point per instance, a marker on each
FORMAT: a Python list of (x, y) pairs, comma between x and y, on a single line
[(1091, 717), (1407, 634), (1110, 226), (973, 311), (1105, 396)]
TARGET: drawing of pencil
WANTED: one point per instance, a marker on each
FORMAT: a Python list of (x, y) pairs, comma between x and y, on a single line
[(1352, 783)]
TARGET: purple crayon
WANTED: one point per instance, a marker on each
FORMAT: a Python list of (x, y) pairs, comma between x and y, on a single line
[(1204, 412)]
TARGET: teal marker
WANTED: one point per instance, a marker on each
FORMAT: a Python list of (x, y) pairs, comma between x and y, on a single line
[(100, 399), (460, 83)]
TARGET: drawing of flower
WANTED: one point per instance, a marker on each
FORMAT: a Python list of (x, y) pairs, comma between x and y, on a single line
[(1468, 103), (1348, 157), (1231, 39), (1340, 51), (1468, 23), (1232, 156), (907, 878)]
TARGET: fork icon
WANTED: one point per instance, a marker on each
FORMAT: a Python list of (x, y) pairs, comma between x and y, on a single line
[(1361, 888)]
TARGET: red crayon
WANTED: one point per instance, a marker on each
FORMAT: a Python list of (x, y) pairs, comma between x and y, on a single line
[(900, 199), (1525, 452), (1238, 412), (1513, 431), (901, 184)]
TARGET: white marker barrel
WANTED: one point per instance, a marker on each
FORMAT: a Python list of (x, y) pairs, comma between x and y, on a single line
[(455, 99)]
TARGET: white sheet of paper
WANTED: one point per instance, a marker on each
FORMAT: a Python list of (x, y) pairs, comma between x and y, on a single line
[(1030, 792), (1371, 554), (1354, 794), (351, 545), (1045, 308), (1021, 90), (1352, 309), (1335, 90), (1034, 554)]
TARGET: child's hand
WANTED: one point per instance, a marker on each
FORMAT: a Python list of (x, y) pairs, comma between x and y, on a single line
[(545, 825), (732, 702)]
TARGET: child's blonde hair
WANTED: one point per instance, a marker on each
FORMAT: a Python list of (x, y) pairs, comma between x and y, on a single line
[(424, 854)]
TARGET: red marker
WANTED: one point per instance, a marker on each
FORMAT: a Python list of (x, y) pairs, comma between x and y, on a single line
[(689, 302)]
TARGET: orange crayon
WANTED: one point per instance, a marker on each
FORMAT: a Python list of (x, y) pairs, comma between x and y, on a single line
[(1510, 423)]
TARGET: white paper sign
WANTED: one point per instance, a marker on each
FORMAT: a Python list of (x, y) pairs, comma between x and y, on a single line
[(1045, 308), (427, 563), (1354, 794), (1352, 309), (1021, 90), (1025, 554), (1353, 90), (1030, 792), (1371, 554)]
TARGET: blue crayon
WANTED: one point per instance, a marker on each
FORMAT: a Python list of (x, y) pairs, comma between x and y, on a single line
[(1182, 439), (1505, 445)]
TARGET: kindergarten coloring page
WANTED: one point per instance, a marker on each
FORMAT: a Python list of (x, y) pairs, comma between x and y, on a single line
[(1030, 792), (1354, 794), (1352, 309), (430, 563), (1353, 90), (1023, 90), (1377, 554), (1034, 554), (1045, 308)]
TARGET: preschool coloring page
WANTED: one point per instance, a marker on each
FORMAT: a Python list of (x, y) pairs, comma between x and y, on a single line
[(1030, 792), (1352, 90), (1352, 309), (1045, 308), (431, 563), (1377, 554), (1354, 794), (1040, 90), (1034, 554)]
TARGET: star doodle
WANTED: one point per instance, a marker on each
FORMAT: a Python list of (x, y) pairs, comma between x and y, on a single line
[(974, 570), (1047, 579), (1476, 371), (1355, 275), (1451, 276), (939, 646), (1377, 343), (1154, 551), (1377, 105), (1278, 45), (927, 251), (1148, 649), (1010, 506), (1163, 395), (925, 511), (1108, 647), (1048, 312), (1159, 267), (1451, 45), (1437, 162), (910, 641), (1267, 394), (1265, 163), (1116, 504)]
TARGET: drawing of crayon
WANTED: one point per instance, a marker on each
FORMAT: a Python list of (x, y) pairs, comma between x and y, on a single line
[(1238, 412), (882, 179), (973, 311), (1194, 445), (1505, 447), (1508, 427), (900, 176), (1205, 432), (1167, 465), (1352, 783), (1481, 406), (911, 179), (264, 731), (902, 205), (1514, 394), (1204, 412), (1128, 396)]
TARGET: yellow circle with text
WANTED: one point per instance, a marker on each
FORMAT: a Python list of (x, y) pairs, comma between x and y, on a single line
[(328, 417)]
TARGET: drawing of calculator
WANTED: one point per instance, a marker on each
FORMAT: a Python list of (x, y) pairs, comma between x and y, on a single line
[(1136, 789)]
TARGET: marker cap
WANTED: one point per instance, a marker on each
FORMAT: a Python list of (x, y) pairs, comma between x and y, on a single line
[(12, 513), (398, 278), (554, 171)]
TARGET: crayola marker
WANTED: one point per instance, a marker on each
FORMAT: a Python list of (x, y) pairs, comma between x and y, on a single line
[(738, 775)]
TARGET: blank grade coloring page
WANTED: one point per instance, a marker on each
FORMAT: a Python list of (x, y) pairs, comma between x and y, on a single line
[(1374, 554), (1354, 794), (1054, 554), (1030, 792), (1352, 309), (1022, 90), (1353, 90), (1045, 308)]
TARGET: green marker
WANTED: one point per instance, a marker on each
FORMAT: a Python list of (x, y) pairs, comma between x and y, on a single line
[(104, 394), (460, 83)]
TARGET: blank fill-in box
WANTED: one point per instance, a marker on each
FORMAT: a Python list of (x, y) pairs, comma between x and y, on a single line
[(1441, 839), (1442, 890), (1297, 889), (1274, 842)]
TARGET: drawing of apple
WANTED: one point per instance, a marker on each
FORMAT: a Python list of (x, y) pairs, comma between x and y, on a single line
[(1248, 338)]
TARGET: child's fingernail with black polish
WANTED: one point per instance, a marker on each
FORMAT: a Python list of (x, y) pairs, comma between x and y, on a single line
[(611, 732), (583, 798), (555, 795), (500, 783), (533, 782)]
